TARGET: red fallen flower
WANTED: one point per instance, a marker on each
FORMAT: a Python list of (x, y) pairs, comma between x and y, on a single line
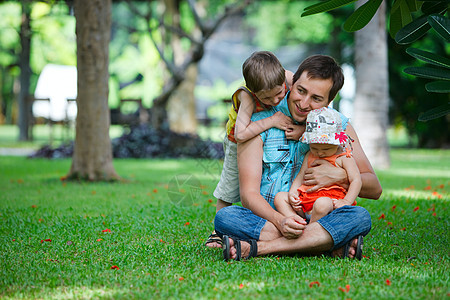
[(186, 224), (241, 286), (209, 200), (403, 229), (115, 267), (388, 282), (155, 190), (347, 287), (106, 230), (434, 214), (394, 207), (181, 279), (416, 208), (311, 284), (427, 188), (342, 289), (46, 240), (381, 217)]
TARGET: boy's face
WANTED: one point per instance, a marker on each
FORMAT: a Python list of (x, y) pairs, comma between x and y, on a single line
[(323, 150), (272, 97), (308, 94)]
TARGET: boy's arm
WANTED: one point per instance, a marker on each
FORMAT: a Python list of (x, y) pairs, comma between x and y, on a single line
[(354, 178), (245, 129)]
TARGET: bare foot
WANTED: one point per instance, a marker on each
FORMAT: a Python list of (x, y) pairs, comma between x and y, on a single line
[(245, 249), (351, 251)]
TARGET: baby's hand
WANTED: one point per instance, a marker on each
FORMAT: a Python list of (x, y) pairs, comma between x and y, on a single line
[(281, 121), (295, 202), (340, 202)]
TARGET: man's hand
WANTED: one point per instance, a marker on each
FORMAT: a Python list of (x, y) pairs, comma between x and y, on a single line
[(292, 227), (322, 174)]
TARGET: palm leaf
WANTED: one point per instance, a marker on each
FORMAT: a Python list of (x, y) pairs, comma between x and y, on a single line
[(325, 6), (438, 86), (429, 57), (435, 113), (413, 31), (427, 72), (362, 15), (441, 24)]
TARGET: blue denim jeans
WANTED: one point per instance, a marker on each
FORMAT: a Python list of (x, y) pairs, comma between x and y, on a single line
[(343, 224)]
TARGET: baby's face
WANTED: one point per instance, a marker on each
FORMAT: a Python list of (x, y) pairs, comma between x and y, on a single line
[(272, 97), (323, 150)]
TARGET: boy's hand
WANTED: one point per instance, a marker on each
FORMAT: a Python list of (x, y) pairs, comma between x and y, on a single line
[(281, 121), (294, 132)]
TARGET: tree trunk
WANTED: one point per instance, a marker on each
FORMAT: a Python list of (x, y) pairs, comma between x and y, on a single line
[(92, 157), (24, 122), (371, 106), (181, 105)]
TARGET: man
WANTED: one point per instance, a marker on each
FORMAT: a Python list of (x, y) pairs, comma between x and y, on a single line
[(268, 164)]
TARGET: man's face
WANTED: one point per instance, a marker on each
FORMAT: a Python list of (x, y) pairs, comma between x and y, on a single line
[(308, 94)]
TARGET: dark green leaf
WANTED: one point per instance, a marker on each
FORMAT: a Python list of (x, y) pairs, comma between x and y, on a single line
[(362, 15), (441, 24), (432, 7), (413, 31), (427, 72), (429, 57), (406, 13), (435, 113), (438, 86), (395, 22), (325, 6), (414, 5)]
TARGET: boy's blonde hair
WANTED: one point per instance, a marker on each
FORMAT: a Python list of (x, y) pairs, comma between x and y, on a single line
[(263, 71)]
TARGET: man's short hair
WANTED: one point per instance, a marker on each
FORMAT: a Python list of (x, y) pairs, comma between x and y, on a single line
[(263, 71), (322, 67)]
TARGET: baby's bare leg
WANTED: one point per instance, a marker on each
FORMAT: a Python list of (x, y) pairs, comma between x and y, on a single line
[(283, 206), (322, 207)]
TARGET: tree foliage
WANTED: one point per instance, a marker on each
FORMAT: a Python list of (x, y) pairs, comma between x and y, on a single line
[(406, 29)]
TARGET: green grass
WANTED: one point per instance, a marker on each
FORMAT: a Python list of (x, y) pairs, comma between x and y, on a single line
[(157, 231)]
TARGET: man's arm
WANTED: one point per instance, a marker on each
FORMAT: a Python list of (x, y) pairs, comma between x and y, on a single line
[(371, 187), (250, 156)]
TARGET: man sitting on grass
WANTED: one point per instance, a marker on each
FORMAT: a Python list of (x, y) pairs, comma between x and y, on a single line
[(268, 164)]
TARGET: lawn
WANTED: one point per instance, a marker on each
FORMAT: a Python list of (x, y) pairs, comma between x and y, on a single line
[(143, 237)]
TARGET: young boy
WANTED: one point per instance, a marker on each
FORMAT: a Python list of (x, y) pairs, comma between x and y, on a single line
[(266, 84), (326, 140)]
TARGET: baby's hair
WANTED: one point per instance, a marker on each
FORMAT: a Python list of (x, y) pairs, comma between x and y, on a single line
[(263, 71)]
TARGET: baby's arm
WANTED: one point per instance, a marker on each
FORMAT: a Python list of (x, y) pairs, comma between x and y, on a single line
[(354, 178), (295, 132), (246, 129)]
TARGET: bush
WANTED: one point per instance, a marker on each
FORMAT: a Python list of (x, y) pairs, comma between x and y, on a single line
[(144, 141)]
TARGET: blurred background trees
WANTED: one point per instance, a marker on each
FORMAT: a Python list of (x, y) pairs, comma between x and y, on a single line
[(185, 57)]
